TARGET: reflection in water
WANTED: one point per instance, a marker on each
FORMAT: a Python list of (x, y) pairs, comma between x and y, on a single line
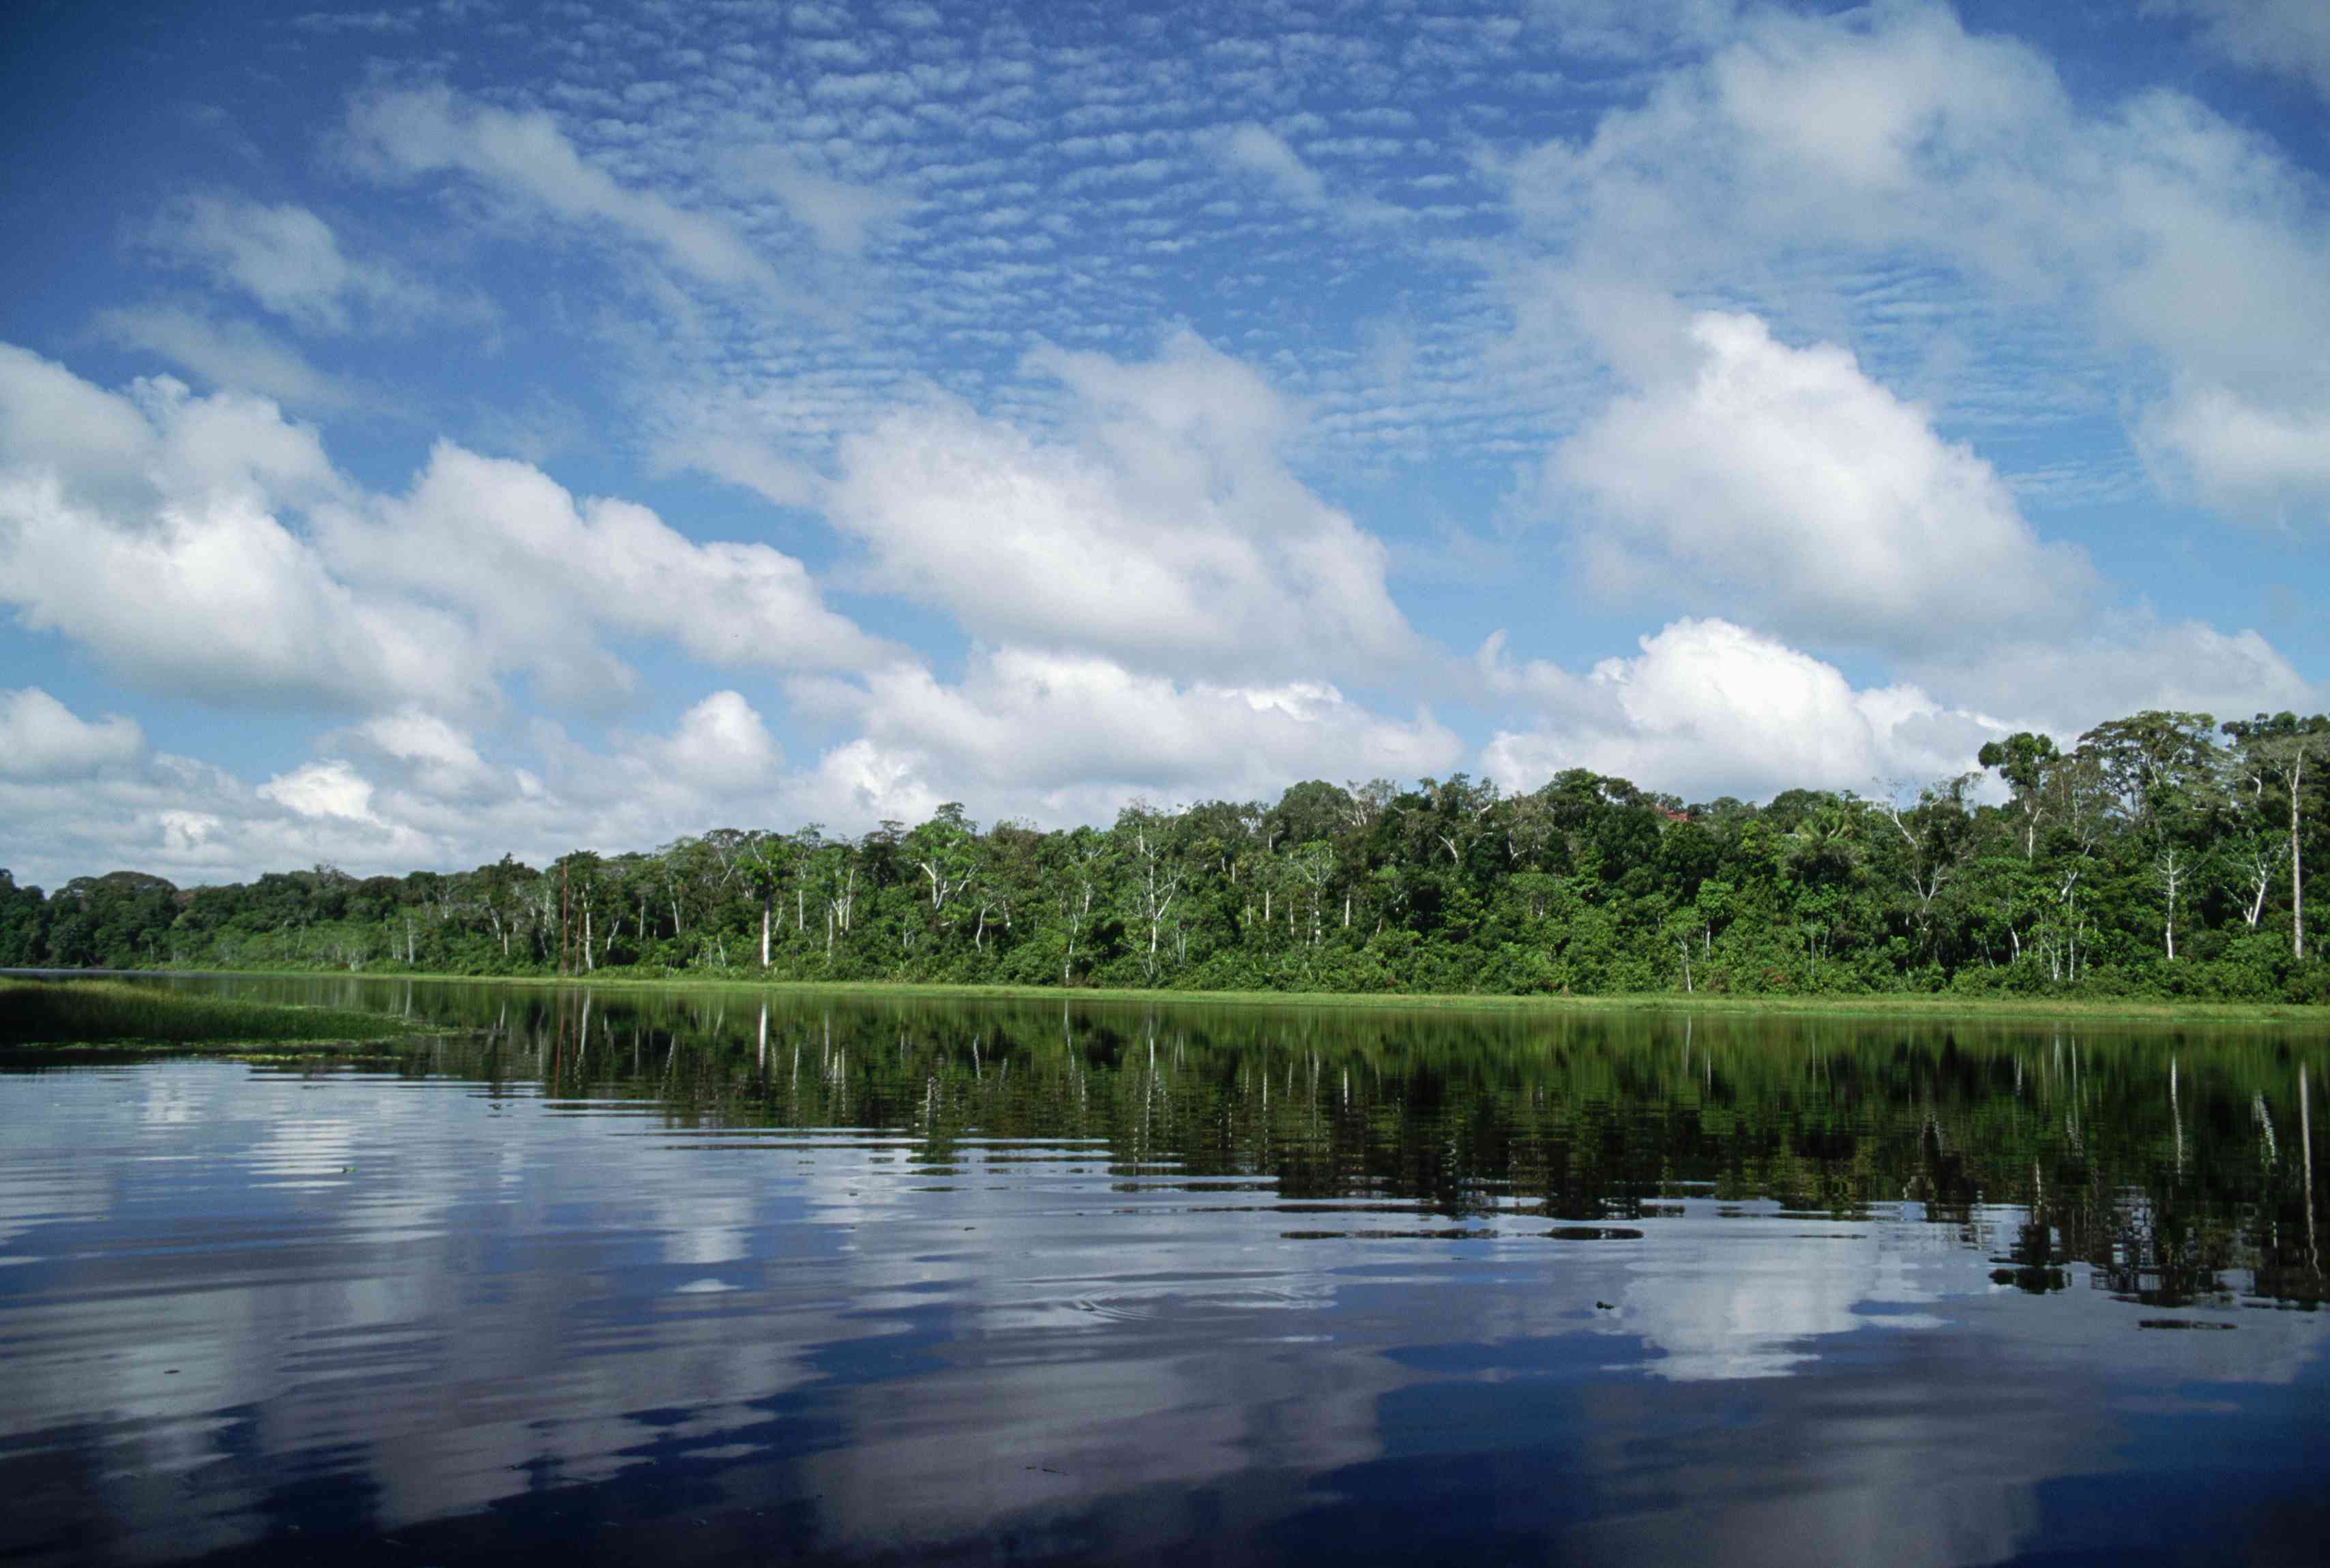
[(711, 1276)]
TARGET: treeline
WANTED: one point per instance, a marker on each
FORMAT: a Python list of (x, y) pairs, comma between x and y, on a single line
[(2162, 855)]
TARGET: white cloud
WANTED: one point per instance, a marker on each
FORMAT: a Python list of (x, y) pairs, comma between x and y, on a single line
[(1066, 738), (180, 818), (421, 797), (2289, 36), (1164, 529), (738, 455), (435, 758), (41, 738), (416, 735), (485, 567), (1629, 29), (840, 215), (1257, 150), (2224, 241), (326, 789), (2189, 250), (233, 355), (722, 745), (859, 782), (527, 159), (2267, 463), (284, 257), (1784, 479), (1709, 707), (818, 19), (156, 443), (174, 495), (2094, 668), (528, 566), (228, 605)]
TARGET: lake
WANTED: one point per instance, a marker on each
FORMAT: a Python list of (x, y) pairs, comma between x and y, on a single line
[(694, 1276)]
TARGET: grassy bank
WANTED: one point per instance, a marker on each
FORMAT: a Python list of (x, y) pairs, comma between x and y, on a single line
[(2003, 1009), (103, 1012)]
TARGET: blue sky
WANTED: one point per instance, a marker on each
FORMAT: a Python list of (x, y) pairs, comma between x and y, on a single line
[(431, 431)]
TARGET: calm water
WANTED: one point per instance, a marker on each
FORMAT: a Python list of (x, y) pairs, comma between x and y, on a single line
[(675, 1276)]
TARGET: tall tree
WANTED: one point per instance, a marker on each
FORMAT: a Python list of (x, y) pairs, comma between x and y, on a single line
[(2022, 760), (765, 863), (2162, 770), (1155, 873), (946, 851), (2279, 751)]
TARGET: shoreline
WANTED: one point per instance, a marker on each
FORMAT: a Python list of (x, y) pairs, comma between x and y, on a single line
[(2005, 1009)]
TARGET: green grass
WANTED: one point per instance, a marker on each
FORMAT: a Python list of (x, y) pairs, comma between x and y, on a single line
[(1870, 1006), (1877, 1005), (109, 1012)]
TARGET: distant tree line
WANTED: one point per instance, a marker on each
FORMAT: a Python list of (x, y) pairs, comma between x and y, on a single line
[(2163, 856)]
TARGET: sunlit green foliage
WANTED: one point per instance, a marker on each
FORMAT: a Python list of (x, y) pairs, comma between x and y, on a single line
[(2162, 856)]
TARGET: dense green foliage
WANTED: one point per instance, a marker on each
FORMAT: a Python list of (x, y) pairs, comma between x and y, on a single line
[(89, 1011), (2161, 856)]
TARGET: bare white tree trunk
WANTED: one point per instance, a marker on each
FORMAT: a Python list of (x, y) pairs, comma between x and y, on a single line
[(2260, 875), (2170, 870), (2296, 872)]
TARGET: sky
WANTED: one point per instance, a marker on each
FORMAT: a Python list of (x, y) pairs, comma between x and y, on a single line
[(436, 432)]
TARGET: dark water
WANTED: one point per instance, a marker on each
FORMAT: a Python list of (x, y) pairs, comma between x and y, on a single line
[(672, 1278)]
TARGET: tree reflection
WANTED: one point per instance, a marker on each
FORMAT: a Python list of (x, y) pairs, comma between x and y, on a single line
[(2176, 1168)]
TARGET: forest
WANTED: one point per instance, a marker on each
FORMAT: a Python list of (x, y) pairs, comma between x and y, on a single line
[(2162, 855)]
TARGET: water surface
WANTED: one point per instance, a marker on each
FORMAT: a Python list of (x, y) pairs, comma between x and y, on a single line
[(693, 1276)]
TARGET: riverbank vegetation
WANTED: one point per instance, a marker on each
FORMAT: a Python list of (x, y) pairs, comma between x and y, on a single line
[(2163, 856), (91, 1011)]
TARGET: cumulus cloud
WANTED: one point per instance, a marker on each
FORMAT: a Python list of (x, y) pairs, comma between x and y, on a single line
[(41, 738), (154, 445), (403, 789), (527, 160), (143, 528), (263, 575), (185, 820), (1710, 707), (229, 605), (2120, 663), (440, 760), (1068, 737), (721, 745), (1162, 528), (1784, 479), (2181, 243), (526, 563), (326, 789)]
